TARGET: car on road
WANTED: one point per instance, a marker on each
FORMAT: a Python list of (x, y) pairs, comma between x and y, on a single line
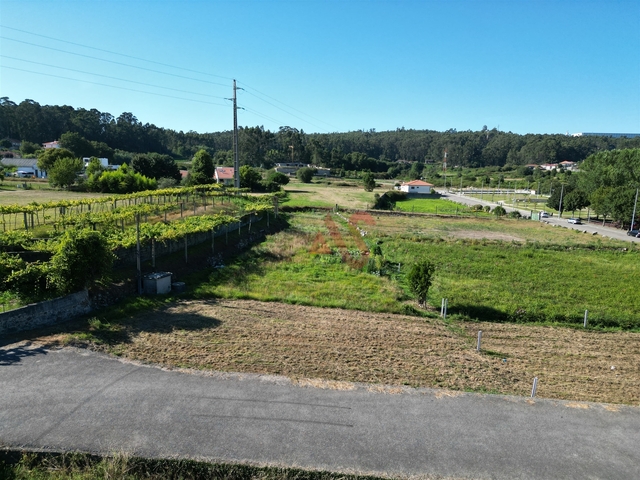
[(633, 233), (544, 215), (575, 221)]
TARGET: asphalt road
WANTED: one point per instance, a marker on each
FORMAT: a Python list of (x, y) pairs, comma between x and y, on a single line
[(78, 400), (562, 222)]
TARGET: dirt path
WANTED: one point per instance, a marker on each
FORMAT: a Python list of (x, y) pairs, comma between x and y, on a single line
[(333, 345)]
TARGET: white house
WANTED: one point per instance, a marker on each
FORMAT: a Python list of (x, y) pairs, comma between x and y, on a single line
[(416, 187), (225, 175)]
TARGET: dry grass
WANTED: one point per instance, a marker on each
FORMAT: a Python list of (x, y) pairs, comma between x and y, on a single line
[(333, 346)]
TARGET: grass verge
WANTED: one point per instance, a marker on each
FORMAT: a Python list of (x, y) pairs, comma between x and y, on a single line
[(18, 465)]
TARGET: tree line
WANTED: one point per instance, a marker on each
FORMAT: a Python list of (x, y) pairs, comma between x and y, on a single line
[(120, 138)]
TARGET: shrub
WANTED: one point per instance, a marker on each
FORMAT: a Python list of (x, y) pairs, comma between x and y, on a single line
[(30, 282), (305, 174), (499, 211), (82, 257), (387, 201)]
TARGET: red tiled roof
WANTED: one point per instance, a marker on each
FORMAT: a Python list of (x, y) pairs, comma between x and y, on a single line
[(418, 183), (225, 173)]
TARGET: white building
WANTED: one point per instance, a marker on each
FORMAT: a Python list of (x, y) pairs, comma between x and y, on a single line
[(416, 187)]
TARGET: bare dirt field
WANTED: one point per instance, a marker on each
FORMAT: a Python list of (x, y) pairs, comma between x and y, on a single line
[(325, 347)]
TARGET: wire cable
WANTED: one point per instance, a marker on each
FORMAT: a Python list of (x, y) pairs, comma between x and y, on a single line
[(114, 62), (115, 53), (113, 78), (288, 106), (113, 86)]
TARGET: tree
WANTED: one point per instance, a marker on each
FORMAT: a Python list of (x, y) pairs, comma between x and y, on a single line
[(94, 167), (420, 278), (250, 178), (416, 171), (575, 200), (369, 182), (77, 144), (81, 258), (64, 172), (202, 168), (275, 180), (305, 174), (155, 165), (48, 158)]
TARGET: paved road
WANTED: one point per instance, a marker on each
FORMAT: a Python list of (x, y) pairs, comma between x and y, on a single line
[(69, 399), (590, 229)]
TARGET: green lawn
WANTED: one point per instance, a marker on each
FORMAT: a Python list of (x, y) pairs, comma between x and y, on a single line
[(433, 205)]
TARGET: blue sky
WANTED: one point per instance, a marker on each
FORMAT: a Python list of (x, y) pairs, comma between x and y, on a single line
[(326, 66)]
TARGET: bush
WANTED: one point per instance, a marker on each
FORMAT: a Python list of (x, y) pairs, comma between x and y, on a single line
[(123, 180), (387, 201), (29, 281), (499, 211), (515, 214), (305, 174), (82, 257), (420, 278)]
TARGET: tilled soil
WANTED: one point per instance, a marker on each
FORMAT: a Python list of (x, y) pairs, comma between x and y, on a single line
[(351, 346)]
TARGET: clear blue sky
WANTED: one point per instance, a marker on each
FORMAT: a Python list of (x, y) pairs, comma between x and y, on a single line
[(520, 66)]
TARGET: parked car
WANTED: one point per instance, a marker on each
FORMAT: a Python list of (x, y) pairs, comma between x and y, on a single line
[(575, 221), (633, 233), (544, 215)]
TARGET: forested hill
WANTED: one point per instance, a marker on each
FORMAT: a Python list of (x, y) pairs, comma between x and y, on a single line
[(29, 121)]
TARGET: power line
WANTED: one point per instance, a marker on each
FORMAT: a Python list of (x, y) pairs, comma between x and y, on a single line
[(114, 62), (266, 117), (148, 70), (112, 78), (115, 53), (113, 86), (288, 106)]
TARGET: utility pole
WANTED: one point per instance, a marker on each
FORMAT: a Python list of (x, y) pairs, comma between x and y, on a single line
[(633, 216), (236, 161), (560, 206)]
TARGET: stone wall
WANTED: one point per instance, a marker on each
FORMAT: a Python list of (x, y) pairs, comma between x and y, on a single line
[(49, 312)]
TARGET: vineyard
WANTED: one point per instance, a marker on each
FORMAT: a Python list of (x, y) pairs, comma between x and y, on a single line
[(36, 237)]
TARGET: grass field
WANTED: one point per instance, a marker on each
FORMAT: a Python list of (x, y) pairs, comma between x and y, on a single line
[(434, 205), (526, 281), (489, 269), (346, 194)]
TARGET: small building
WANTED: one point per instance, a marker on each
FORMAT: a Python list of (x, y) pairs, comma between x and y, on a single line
[(225, 175), (549, 166), (567, 165), (53, 144), (289, 168), (416, 187), (25, 167)]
